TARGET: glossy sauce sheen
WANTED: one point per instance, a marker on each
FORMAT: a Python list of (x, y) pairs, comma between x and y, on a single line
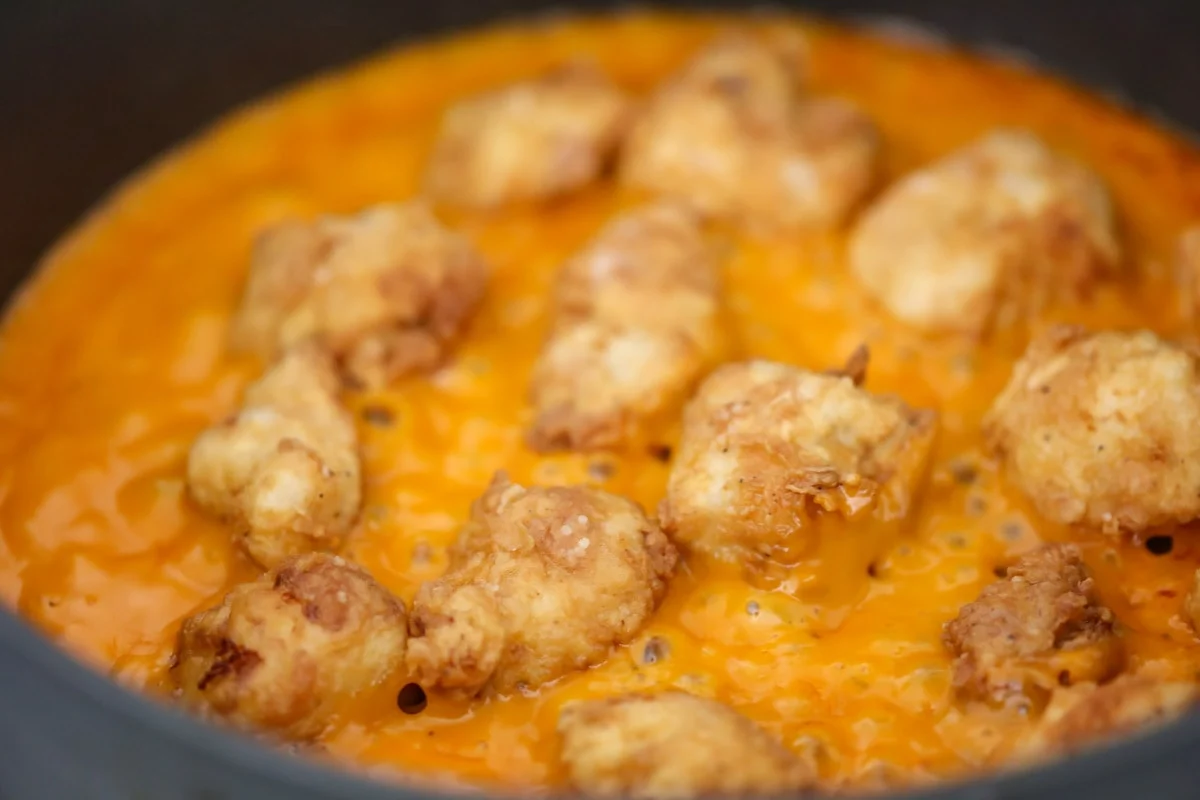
[(113, 360)]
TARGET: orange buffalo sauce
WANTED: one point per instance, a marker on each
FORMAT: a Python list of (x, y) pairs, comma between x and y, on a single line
[(112, 360)]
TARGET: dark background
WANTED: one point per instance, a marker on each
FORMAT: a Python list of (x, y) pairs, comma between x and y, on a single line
[(90, 89)]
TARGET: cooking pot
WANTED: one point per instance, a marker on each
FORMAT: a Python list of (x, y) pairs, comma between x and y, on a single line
[(89, 91)]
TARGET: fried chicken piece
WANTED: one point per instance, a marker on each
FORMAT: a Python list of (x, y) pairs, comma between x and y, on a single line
[(769, 449), (528, 141), (283, 266), (1040, 627), (285, 470), (386, 291), (541, 581), (733, 135), (673, 745), (986, 237), (636, 325), (280, 654), (1102, 429), (1083, 715)]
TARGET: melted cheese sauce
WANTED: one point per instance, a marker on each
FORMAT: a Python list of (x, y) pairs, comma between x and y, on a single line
[(112, 360)]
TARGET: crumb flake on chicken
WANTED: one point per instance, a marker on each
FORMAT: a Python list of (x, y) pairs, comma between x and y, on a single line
[(734, 135), (529, 141), (986, 237), (387, 291), (285, 470), (767, 449), (636, 324), (281, 654), (1102, 429), (1039, 627), (541, 581), (673, 745), (1086, 714)]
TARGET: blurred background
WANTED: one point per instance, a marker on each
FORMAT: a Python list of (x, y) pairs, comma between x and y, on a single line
[(91, 89)]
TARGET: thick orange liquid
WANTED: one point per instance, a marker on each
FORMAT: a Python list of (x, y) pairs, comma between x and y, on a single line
[(112, 360)]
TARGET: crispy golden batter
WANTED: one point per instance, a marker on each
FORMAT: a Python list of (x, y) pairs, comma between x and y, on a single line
[(285, 470), (282, 653), (1102, 429), (541, 581), (285, 259), (1041, 626), (530, 141), (986, 237), (386, 291), (636, 325), (1082, 715), (768, 447), (733, 135), (673, 745)]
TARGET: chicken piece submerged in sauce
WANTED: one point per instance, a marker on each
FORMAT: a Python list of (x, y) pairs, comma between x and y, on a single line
[(1083, 715), (636, 325), (529, 141), (386, 291), (284, 652), (673, 745), (285, 470), (541, 581), (986, 237), (734, 135), (1040, 627), (1102, 429), (769, 449)]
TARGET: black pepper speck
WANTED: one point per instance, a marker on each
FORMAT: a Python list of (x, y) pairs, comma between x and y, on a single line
[(601, 470), (1160, 545), (412, 699), (963, 472), (656, 649), (379, 416)]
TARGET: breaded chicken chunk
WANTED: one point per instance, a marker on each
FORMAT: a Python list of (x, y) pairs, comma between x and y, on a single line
[(636, 325), (541, 581), (733, 135), (768, 449), (986, 237), (285, 470), (386, 291), (673, 745), (1040, 627), (1082, 715), (281, 653), (1102, 429), (529, 141)]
